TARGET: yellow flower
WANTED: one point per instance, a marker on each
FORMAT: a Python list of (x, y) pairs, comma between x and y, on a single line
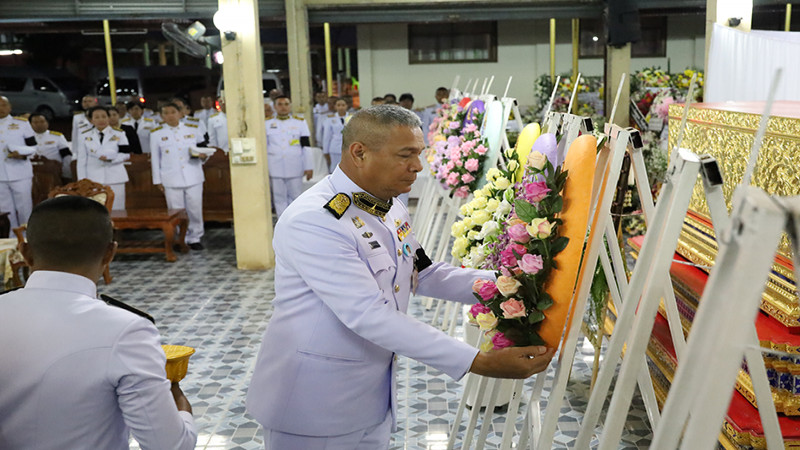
[(458, 229), (492, 205), (465, 209), (482, 216), (486, 344), (479, 202), (460, 247), (502, 183), (486, 321), (540, 228), (512, 166), (469, 222), (493, 173)]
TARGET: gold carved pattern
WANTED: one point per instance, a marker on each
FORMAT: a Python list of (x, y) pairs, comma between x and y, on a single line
[(728, 136)]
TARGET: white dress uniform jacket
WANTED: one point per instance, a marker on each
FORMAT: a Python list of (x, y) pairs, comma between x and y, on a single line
[(80, 123), (204, 115), (78, 373), (286, 157), (332, 144), (111, 172), (196, 122), (53, 145), (143, 127), (326, 366), (16, 175), (218, 131)]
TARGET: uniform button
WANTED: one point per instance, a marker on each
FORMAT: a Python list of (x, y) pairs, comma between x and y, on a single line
[(397, 288), (399, 252)]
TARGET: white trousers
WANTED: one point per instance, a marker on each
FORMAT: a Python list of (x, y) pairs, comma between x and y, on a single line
[(119, 196), (284, 191), (16, 199), (336, 158), (372, 438), (191, 199)]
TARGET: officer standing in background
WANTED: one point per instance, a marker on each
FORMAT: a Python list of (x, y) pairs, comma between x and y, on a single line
[(206, 109), (101, 152), (51, 144), (186, 117), (429, 113), (17, 143), (347, 262), (80, 121), (78, 372), (288, 155), (332, 134), (218, 128), (142, 125), (134, 147), (177, 168)]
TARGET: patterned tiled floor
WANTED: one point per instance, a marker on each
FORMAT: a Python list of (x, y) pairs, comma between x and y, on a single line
[(203, 301)]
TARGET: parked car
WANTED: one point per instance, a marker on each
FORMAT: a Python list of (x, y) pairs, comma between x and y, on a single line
[(270, 81), (128, 85), (51, 93), (149, 84)]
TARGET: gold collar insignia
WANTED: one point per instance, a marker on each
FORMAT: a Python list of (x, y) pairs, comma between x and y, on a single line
[(372, 205)]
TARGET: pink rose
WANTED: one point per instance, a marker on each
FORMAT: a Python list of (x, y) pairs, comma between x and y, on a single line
[(470, 128), (531, 264), (479, 308), (513, 308), (488, 290), (540, 228), (452, 125), (481, 150), (450, 165), (459, 162), (453, 141), (518, 233), (452, 179), (501, 341), (507, 285), (467, 178), (536, 192), (506, 272), (462, 192), (478, 284), (507, 257), (471, 164)]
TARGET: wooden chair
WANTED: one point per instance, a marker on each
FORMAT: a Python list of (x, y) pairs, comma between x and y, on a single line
[(82, 188)]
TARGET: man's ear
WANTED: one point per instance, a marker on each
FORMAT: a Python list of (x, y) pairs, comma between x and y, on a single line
[(26, 252), (358, 152), (111, 250)]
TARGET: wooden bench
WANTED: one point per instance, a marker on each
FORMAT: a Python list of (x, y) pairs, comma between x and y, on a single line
[(153, 219)]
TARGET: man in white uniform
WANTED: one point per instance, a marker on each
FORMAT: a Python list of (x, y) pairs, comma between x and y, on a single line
[(101, 153), (80, 122), (288, 155), (332, 141), (347, 263), (429, 113), (207, 109), (78, 371), (142, 125), (218, 128), (17, 143), (177, 168), (51, 144)]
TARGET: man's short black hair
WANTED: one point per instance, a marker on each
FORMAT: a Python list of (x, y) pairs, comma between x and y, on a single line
[(134, 104), (90, 111), (406, 96), (442, 89), (169, 105), (35, 114), (283, 96), (390, 97), (69, 231)]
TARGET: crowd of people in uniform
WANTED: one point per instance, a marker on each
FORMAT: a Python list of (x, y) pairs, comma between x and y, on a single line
[(347, 263)]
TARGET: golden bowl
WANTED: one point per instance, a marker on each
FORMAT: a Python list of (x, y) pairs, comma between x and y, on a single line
[(177, 361)]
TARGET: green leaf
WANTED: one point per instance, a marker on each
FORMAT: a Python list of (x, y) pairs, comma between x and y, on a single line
[(534, 338), (525, 211), (558, 205), (558, 245), (535, 317), (545, 301)]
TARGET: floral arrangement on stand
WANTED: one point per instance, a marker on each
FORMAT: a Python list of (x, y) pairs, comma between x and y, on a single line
[(458, 151), (511, 309), (480, 227), (589, 97)]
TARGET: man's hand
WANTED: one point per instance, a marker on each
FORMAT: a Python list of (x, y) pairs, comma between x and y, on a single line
[(15, 155), (180, 399), (308, 174), (103, 158), (160, 187), (202, 156), (512, 362)]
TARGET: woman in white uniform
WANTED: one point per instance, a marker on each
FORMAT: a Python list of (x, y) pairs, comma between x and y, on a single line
[(101, 152)]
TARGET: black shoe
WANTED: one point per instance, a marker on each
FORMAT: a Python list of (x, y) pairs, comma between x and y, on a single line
[(196, 246)]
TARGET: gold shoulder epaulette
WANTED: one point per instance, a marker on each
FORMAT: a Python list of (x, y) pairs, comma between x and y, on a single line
[(21, 118), (56, 133), (298, 117), (331, 114), (78, 112), (156, 129), (191, 125), (338, 205), (213, 115), (193, 119), (88, 130), (147, 119), (117, 129), (270, 117)]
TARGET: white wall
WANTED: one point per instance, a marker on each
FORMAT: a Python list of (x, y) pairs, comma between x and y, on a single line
[(523, 51)]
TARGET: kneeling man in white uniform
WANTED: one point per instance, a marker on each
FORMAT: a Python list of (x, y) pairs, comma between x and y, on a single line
[(347, 262)]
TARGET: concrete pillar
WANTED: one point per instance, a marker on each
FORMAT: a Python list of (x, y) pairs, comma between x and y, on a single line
[(618, 61), (252, 207), (299, 58)]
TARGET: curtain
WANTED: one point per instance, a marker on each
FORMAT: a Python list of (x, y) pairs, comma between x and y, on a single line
[(741, 65)]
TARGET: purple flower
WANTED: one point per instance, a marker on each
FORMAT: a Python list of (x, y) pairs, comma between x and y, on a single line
[(479, 308)]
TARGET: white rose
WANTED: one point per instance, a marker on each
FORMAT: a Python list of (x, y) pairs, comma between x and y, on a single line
[(472, 235), (503, 210), (489, 228), (536, 160), (477, 255)]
